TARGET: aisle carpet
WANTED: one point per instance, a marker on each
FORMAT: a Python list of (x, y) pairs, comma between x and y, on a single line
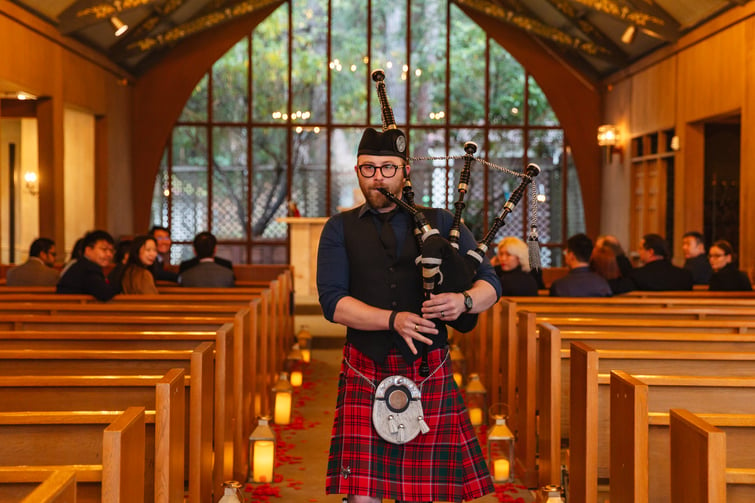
[(302, 446)]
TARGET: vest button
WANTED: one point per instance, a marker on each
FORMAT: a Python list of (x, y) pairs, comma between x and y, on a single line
[(393, 285), (394, 304), (391, 269)]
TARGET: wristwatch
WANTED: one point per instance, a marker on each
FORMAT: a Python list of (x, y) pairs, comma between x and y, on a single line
[(467, 301)]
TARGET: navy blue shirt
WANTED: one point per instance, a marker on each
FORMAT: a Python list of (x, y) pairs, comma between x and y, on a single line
[(333, 262)]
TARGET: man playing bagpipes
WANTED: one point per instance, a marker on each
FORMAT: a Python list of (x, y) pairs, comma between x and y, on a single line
[(398, 432)]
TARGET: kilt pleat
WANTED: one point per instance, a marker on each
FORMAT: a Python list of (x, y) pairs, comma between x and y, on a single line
[(445, 464)]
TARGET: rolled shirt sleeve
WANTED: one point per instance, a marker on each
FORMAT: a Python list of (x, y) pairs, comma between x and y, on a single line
[(332, 266)]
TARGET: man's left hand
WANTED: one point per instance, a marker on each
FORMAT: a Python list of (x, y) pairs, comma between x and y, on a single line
[(444, 306)]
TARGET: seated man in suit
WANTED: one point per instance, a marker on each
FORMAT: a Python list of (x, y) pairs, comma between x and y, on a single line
[(658, 273), (160, 268), (86, 274), (695, 258), (206, 272), (38, 269), (580, 281)]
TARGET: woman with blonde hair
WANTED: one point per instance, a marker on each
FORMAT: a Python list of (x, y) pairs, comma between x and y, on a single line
[(513, 268)]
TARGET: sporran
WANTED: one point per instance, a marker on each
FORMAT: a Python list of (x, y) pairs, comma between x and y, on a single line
[(397, 411)]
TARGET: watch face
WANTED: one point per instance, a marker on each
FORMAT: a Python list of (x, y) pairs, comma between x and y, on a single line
[(467, 301)]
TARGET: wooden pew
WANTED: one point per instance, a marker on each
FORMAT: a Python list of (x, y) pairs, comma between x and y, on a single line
[(707, 463), (59, 487), (196, 362), (103, 452), (224, 339), (164, 473), (718, 400)]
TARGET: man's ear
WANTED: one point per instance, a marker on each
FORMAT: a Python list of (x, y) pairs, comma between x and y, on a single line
[(407, 168)]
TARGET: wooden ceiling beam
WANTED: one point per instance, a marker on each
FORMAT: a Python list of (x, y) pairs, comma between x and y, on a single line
[(83, 13), (591, 31), (537, 28), (196, 25), (650, 17), (159, 14)]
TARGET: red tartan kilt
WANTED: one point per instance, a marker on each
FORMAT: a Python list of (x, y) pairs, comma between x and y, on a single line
[(445, 464)]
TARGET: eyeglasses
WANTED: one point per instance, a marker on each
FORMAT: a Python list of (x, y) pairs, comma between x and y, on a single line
[(386, 170), (716, 255)]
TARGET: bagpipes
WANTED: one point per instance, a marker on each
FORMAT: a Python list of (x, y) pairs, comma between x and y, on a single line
[(444, 267)]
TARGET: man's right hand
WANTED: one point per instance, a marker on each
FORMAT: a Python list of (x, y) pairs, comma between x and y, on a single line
[(413, 327)]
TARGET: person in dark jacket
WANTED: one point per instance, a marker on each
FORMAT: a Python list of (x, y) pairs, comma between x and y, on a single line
[(513, 268), (658, 273), (603, 262), (695, 260), (161, 268), (726, 277), (625, 265), (580, 281), (86, 275)]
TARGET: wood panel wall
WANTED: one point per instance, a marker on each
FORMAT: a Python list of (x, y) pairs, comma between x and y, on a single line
[(66, 74), (706, 75)]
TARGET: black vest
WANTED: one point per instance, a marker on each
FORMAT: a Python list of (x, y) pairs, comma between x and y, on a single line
[(377, 281)]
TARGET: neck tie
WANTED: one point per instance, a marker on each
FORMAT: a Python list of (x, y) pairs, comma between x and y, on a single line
[(387, 236)]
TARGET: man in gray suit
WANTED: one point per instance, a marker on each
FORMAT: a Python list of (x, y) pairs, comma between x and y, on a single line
[(206, 272), (38, 269)]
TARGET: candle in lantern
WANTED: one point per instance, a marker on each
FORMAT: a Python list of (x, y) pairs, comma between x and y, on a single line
[(296, 378), (282, 408), (306, 355), (264, 454), (457, 379), (500, 470), (475, 416)]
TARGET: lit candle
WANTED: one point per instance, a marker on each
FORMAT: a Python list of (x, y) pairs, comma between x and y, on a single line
[(457, 378), (282, 408), (264, 454), (501, 470), (296, 378), (306, 355), (475, 416)]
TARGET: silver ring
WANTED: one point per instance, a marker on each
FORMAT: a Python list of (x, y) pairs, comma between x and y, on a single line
[(442, 314), (416, 328)]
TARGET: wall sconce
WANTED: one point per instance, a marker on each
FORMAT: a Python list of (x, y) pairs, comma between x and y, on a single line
[(476, 399), (262, 452), (609, 138), (283, 394), (30, 182), (501, 451), (119, 27)]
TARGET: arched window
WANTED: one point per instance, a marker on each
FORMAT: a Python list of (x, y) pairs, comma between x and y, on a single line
[(278, 118)]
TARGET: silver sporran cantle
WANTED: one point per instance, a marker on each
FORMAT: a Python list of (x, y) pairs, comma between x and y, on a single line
[(397, 411)]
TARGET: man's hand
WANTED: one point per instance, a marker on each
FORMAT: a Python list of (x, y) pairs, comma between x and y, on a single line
[(444, 306), (413, 327)]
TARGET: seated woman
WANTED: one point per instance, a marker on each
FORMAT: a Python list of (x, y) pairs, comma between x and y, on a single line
[(513, 268), (604, 262), (136, 277), (726, 277)]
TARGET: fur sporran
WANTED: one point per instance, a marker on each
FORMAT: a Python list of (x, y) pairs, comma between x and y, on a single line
[(397, 412)]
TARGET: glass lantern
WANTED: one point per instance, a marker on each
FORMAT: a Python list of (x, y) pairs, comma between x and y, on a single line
[(304, 339), (283, 394), (550, 494), (293, 365), (476, 400), (231, 492), (262, 452), (501, 451), (458, 365)]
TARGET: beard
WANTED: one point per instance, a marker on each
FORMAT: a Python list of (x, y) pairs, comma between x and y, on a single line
[(375, 199)]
